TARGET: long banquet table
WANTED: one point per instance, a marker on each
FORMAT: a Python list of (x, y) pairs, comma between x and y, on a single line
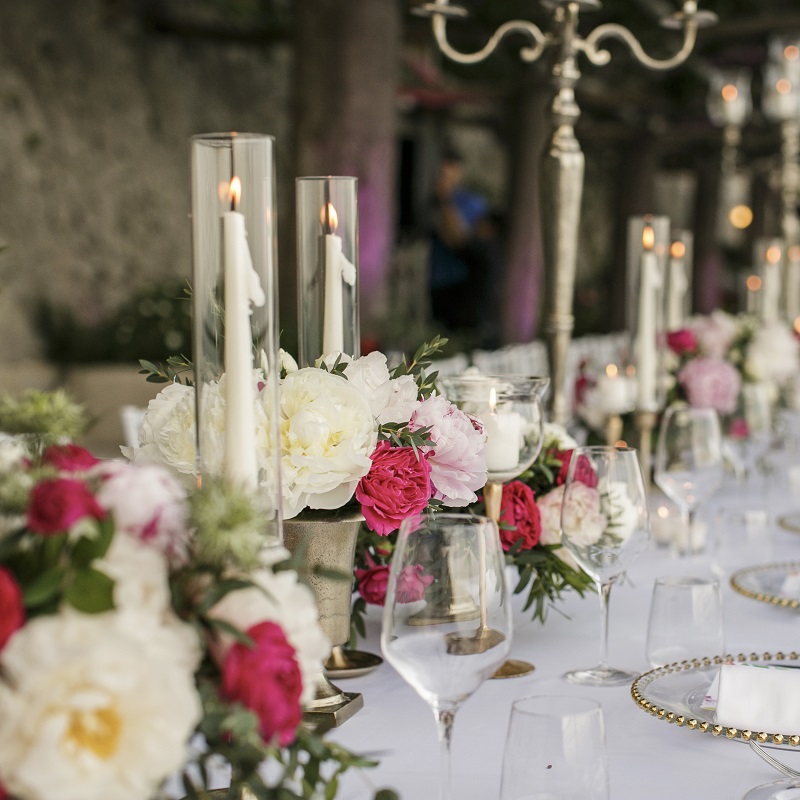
[(648, 758)]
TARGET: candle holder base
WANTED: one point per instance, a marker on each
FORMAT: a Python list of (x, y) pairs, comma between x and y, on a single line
[(645, 422), (513, 668), (483, 640)]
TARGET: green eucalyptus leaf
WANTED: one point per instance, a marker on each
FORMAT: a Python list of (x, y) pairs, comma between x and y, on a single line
[(90, 591), (44, 588)]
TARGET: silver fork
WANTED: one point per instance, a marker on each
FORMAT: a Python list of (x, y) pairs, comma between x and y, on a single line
[(773, 762)]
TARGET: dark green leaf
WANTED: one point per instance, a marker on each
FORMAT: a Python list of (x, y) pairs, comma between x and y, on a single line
[(44, 588), (87, 549), (90, 591)]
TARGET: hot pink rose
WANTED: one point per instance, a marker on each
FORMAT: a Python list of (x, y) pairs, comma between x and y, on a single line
[(738, 428), (372, 583), (411, 584), (12, 612), (266, 679), (583, 470), (69, 458), (710, 383), (682, 342), (55, 505), (398, 485), (519, 516)]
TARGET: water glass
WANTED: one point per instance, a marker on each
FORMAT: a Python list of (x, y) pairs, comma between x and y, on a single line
[(555, 750), (685, 620)]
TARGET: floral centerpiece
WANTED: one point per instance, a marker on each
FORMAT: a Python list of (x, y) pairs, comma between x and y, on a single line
[(145, 632), (530, 533)]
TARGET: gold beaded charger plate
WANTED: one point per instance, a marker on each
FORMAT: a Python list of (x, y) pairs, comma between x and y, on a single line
[(676, 692), (790, 522), (777, 584)]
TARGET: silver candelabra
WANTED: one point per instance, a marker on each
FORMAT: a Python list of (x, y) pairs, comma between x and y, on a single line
[(563, 162)]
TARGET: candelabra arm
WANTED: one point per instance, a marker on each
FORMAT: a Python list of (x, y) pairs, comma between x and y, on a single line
[(529, 54), (600, 56)]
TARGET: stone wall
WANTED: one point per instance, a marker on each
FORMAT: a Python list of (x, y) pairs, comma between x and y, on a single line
[(95, 117)]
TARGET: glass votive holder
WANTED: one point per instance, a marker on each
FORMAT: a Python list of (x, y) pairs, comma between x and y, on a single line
[(510, 409), (327, 265)]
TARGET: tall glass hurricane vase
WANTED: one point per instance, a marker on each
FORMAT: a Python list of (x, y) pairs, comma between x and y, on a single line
[(605, 525), (436, 556), (327, 262), (234, 305)]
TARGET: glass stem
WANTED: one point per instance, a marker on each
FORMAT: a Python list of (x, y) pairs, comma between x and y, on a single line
[(604, 592), (444, 727), (689, 517)]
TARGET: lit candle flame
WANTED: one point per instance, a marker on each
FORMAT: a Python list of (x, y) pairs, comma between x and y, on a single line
[(753, 283), (783, 86), (740, 217), (648, 237), (677, 249), (794, 253), (329, 218), (729, 92), (796, 326), (492, 400), (791, 52), (773, 254), (612, 371), (235, 191)]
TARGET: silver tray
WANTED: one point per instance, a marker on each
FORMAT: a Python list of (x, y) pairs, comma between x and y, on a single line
[(765, 583), (674, 693)]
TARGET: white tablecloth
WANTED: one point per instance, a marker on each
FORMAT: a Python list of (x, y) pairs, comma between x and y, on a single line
[(648, 758)]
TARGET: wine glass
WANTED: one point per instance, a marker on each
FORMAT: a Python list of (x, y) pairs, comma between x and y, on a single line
[(605, 525), (689, 464), (443, 560), (757, 407)]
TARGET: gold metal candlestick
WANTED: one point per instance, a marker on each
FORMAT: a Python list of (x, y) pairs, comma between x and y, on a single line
[(562, 165), (645, 424), (613, 430)]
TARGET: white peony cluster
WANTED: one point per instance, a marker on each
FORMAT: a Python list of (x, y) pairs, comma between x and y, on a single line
[(582, 520), (328, 434), (773, 354), (282, 599), (98, 705), (555, 435), (622, 516), (550, 517)]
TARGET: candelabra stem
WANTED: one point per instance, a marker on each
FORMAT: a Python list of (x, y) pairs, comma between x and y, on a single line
[(562, 187)]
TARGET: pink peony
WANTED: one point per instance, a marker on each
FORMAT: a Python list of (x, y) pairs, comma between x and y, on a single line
[(715, 333), (149, 504), (12, 611), (398, 485), (458, 463), (710, 383), (550, 515), (411, 584), (69, 458), (266, 679), (519, 516), (682, 342), (56, 505), (372, 584)]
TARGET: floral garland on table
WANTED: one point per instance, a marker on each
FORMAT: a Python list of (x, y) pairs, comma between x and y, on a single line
[(713, 356), (529, 532), (143, 633)]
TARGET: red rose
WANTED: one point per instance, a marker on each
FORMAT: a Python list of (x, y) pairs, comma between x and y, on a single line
[(56, 505), (682, 342), (266, 679), (12, 612), (738, 428), (519, 516), (411, 584), (69, 458), (583, 471), (398, 485), (372, 584)]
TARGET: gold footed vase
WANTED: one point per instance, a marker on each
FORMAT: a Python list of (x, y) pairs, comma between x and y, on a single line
[(326, 540)]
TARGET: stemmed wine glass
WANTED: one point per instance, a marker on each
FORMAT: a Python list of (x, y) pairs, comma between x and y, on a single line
[(757, 406), (689, 464), (447, 559), (605, 525)]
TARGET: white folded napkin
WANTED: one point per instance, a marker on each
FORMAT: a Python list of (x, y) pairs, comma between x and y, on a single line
[(759, 698)]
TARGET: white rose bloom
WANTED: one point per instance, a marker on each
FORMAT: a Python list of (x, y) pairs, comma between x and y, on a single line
[(328, 435), (556, 435), (583, 523), (286, 361), (93, 710), (773, 354), (370, 374), (281, 599), (403, 400), (621, 514)]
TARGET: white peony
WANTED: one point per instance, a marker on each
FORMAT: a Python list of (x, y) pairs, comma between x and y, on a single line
[(555, 435), (773, 354), (328, 434), (582, 520), (286, 361), (403, 400), (282, 599), (93, 710), (621, 514)]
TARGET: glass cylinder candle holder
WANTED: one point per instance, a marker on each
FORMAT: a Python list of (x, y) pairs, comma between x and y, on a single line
[(510, 409), (234, 314), (678, 290), (791, 282), (768, 256), (729, 98), (327, 263)]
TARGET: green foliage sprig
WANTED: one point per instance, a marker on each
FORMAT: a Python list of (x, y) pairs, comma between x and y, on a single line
[(173, 371), (48, 416)]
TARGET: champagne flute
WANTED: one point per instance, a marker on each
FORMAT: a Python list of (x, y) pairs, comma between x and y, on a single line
[(689, 464), (438, 556), (605, 525)]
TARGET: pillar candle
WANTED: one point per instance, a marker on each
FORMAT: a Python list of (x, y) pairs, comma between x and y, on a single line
[(503, 431), (678, 286), (338, 270), (646, 364)]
